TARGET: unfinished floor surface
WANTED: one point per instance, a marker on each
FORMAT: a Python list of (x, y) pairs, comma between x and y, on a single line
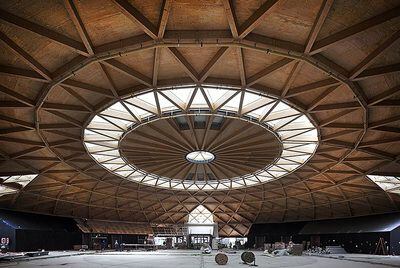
[(183, 259)]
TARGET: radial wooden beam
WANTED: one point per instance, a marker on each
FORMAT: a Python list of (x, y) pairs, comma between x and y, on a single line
[(16, 96), (129, 71), (132, 13), (381, 70), (322, 14), (81, 85), (384, 122), (34, 64), (79, 98), (42, 31), (162, 24), (64, 107), (109, 79), (187, 67), (5, 131), (337, 106), (384, 95), (321, 97), (314, 85), (21, 73), (231, 16), (355, 29), (156, 65), (80, 27), (17, 122), (211, 64), (268, 70), (374, 54), (388, 103), (242, 69), (335, 117), (291, 78), (256, 18)]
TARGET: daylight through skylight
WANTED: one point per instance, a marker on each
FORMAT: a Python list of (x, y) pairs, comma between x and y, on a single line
[(295, 131)]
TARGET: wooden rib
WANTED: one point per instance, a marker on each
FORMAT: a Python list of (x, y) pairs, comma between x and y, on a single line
[(315, 85), (162, 24), (355, 29), (256, 18), (137, 17), (42, 31), (242, 69), (373, 55), (109, 79), (322, 14), (187, 67), (388, 103), (79, 98), (80, 85), (382, 70), (21, 73), (16, 96), (76, 19), (211, 64), (230, 14), (5, 131), (129, 71), (321, 97), (65, 107), (35, 65), (156, 65), (292, 76), (268, 70), (384, 95), (17, 122)]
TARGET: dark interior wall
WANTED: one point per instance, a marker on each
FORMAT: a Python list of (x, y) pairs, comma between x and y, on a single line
[(7, 231), (365, 243), (395, 241), (33, 232), (356, 235), (46, 239), (275, 232)]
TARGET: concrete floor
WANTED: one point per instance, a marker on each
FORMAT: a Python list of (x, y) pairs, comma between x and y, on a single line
[(183, 259)]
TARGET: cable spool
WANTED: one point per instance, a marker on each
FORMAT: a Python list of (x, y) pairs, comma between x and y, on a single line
[(221, 259), (248, 257), (242, 255)]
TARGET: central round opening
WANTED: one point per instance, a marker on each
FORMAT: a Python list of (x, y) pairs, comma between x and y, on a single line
[(200, 157)]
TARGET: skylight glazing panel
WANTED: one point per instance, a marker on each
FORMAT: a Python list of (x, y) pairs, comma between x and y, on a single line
[(250, 98), (165, 104), (21, 180), (262, 111), (184, 94), (214, 94), (148, 98), (232, 104), (299, 136), (138, 112), (387, 183), (199, 101)]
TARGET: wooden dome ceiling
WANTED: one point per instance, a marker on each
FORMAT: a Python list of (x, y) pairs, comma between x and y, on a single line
[(62, 62)]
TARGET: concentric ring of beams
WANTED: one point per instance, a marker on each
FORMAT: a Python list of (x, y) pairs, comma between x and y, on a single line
[(293, 129)]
